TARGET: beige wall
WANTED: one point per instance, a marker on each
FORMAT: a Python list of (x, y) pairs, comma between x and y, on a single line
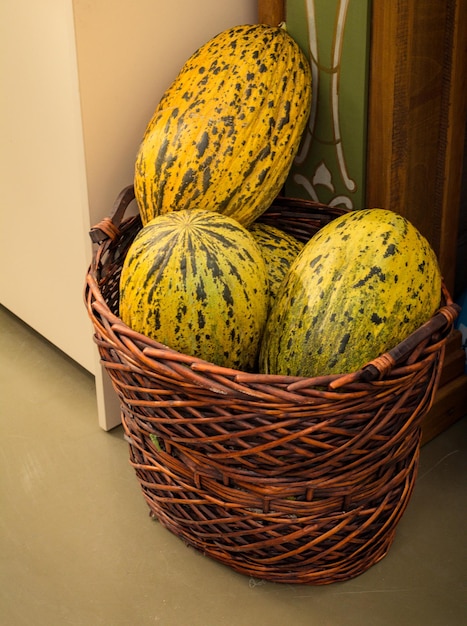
[(128, 54)]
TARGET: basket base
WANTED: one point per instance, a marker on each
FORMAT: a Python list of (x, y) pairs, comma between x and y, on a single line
[(341, 572), (318, 544)]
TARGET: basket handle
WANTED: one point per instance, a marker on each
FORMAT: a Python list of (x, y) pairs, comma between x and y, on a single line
[(108, 228), (383, 364)]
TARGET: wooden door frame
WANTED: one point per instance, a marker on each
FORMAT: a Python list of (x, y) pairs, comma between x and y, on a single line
[(271, 12), (398, 162)]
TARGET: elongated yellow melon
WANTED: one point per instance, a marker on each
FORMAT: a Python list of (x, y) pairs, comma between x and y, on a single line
[(225, 133)]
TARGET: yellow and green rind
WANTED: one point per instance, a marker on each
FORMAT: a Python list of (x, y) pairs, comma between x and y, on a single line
[(279, 250), (361, 285), (225, 133), (196, 282)]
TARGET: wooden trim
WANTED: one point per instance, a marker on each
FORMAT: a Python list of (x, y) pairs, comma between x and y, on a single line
[(387, 105), (454, 138), (416, 122), (448, 408), (271, 12)]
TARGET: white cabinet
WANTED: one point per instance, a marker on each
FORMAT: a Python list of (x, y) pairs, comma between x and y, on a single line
[(43, 214)]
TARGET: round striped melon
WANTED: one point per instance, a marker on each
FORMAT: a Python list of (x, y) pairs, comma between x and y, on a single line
[(279, 249), (361, 285), (224, 134), (196, 282)]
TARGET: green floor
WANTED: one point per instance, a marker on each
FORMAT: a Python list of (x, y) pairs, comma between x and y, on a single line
[(77, 546)]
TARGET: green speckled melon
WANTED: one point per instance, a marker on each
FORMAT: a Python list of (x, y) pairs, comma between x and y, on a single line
[(225, 133), (279, 250), (196, 282), (361, 285)]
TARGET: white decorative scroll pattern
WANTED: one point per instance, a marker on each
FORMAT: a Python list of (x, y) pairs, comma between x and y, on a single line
[(323, 174), (313, 46)]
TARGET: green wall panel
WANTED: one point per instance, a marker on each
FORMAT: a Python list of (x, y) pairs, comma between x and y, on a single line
[(330, 165)]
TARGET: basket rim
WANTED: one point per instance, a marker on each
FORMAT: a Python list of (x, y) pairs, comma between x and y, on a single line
[(108, 231)]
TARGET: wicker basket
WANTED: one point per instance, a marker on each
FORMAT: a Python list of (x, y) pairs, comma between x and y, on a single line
[(288, 479)]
